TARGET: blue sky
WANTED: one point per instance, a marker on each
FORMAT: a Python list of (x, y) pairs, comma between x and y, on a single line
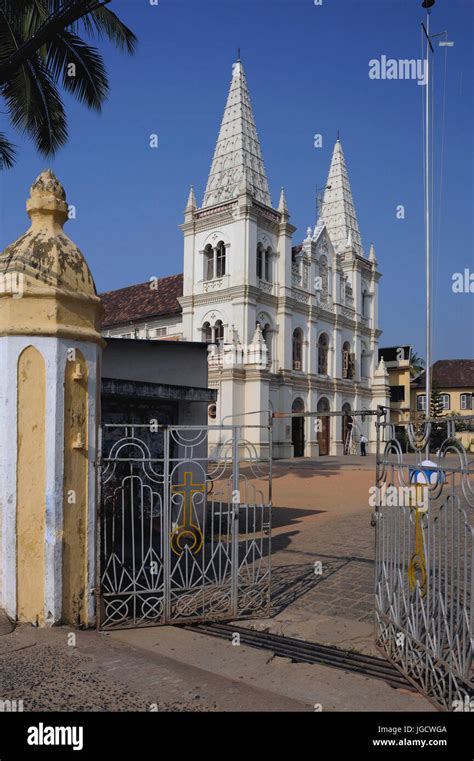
[(307, 68)]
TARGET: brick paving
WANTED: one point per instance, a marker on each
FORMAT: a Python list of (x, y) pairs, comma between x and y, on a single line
[(322, 513), (342, 541)]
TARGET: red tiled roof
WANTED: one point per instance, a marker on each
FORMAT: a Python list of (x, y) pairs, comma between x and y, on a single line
[(450, 373), (141, 302)]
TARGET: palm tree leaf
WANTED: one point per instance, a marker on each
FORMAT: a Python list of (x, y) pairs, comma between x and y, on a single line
[(7, 153), (35, 106), (89, 83), (104, 23)]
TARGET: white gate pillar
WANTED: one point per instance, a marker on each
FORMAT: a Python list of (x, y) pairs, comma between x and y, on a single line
[(50, 347)]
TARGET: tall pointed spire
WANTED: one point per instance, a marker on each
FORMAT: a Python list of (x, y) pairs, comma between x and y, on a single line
[(237, 148), (337, 209)]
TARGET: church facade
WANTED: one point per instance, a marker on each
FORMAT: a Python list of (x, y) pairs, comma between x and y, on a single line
[(291, 328)]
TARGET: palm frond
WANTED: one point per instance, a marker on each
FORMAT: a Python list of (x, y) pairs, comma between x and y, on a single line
[(104, 23), (89, 83), (35, 106), (7, 153)]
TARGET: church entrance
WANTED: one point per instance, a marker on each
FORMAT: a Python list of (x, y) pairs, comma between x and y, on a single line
[(297, 429), (323, 432), (347, 423)]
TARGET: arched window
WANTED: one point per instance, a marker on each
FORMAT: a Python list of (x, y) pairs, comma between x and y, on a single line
[(323, 347), (207, 333), (218, 332), (220, 259), (260, 261), (347, 361), (297, 428), (208, 262), (268, 265), (324, 428), (297, 349), (267, 337), (264, 263), (347, 426)]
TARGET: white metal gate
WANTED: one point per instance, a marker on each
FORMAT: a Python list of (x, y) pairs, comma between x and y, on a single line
[(185, 524), (424, 559)]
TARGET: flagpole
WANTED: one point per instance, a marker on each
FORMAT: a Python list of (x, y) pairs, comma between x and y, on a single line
[(427, 4)]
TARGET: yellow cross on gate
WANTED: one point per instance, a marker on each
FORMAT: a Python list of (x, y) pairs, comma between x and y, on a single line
[(417, 564), (187, 528)]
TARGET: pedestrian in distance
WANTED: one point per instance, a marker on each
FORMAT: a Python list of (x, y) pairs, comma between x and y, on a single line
[(363, 442)]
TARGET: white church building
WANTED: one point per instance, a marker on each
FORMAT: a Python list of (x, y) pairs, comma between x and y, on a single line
[(290, 328)]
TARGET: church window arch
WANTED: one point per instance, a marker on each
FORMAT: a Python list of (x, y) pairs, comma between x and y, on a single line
[(267, 333), (218, 332), (268, 264), (347, 361), (212, 331), (208, 262), (264, 263), (215, 260), (206, 331), (323, 351), (220, 259), (297, 349), (260, 261)]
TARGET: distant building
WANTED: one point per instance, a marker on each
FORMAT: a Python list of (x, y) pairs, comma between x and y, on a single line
[(397, 360), (144, 381), (454, 380), (293, 328)]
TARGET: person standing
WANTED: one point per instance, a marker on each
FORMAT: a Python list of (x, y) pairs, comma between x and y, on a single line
[(363, 443)]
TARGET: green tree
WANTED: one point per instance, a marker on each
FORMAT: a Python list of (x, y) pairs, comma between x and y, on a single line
[(438, 429), (417, 364), (42, 47)]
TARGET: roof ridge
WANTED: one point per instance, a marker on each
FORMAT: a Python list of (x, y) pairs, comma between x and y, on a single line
[(138, 285)]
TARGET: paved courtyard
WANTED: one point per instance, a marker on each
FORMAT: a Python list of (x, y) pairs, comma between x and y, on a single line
[(321, 515)]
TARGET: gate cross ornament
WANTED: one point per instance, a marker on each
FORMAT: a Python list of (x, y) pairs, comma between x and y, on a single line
[(187, 529), (417, 564)]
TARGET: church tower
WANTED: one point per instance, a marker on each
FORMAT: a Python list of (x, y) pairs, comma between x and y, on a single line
[(360, 275), (237, 258)]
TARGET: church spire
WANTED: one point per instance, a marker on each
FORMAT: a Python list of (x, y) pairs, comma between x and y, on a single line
[(338, 210), (237, 149)]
